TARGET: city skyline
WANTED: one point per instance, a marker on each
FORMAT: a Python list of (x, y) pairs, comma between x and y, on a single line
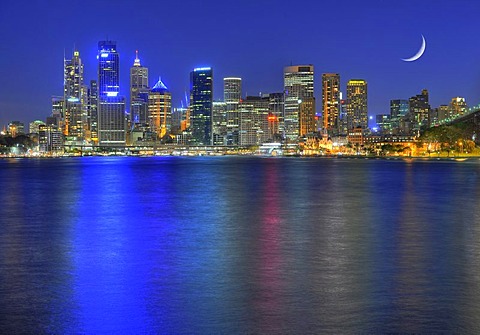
[(365, 41)]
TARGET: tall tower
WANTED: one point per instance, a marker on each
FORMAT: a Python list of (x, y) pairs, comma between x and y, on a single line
[(299, 116), (160, 109), (201, 102), (111, 106), (138, 92), (74, 116), (232, 95), (357, 110), (331, 100)]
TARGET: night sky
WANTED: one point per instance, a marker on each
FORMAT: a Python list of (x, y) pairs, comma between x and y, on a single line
[(250, 39)]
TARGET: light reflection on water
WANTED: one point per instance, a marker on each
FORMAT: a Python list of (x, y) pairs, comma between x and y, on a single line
[(238, 245)]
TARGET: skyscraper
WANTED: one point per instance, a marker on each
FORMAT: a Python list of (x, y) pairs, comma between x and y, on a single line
[(299, 116), (254, 120), (160, 109), (357, 108), (331, 101), (75, 109), (201, 102), (111, 106), (219, 122), (276, 108), (92, 111), (138, 92), (232, 95)]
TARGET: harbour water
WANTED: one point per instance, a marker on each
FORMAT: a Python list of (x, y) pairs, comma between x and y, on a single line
[(239, 245)]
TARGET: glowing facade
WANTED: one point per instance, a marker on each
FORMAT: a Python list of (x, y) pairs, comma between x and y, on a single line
[(357, 107), (74, 113), (160, 109), (299, 115), (111, 106), (331, 101), (232, 95)]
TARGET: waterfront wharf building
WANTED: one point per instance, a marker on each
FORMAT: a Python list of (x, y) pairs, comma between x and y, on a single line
[(201, 105), (111, 106), (357, 107), (299, 114)]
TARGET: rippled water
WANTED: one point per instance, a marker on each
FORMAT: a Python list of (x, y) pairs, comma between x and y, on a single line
[(239, 245)]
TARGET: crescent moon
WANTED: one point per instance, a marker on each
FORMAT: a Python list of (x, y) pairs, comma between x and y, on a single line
[(419, 53)]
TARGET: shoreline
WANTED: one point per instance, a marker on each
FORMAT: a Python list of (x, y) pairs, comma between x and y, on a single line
[(192, 155)]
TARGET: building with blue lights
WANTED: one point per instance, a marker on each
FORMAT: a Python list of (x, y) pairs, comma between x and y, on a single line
[(201, 105), (111, 106), (74, 114), (139, 90)]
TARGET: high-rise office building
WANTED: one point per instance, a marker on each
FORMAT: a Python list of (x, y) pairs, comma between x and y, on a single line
[(254, 113), (201, 104), (92, 111), (299, 115), (111, 106), (138, 93), (399, 108), (419, 111), (160, 109), (232, 95), (276, 109), (74, 113), (357, 107), (219, 122), (331, 101)]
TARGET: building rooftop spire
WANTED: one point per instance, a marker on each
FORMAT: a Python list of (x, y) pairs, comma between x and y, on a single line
[(137, 60), (159, 86)]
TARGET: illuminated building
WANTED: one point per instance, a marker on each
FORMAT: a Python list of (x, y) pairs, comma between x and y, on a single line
[(138, 93), (457, 107), (111, 106), (201, 104), (357, 108), (442, 113), (92, 111), (331, 101), (219, 122), (74, 113), (16, 128), (399, 108), (50, 138), (254, 113), (33, 126), (419, 111), (232, 95), (299, 115), (160, 109), (383, 121), (276, 108)]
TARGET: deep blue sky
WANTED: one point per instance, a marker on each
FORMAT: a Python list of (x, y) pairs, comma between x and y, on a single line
[(250, 39)]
